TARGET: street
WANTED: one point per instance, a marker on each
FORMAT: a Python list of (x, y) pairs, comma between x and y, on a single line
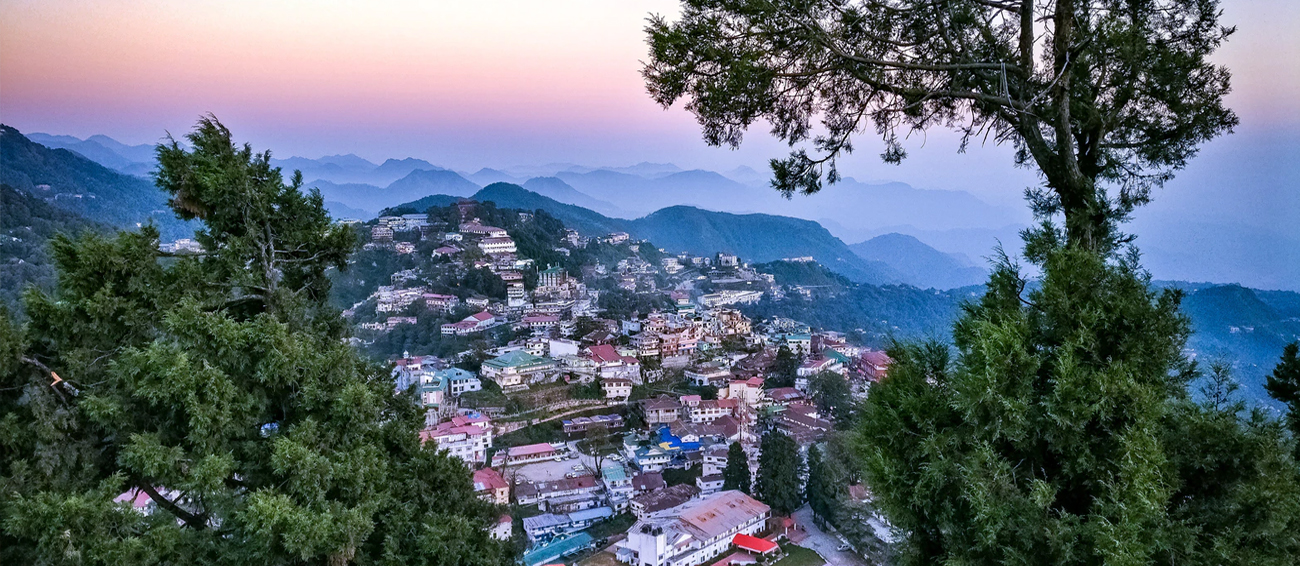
[(824, 543)]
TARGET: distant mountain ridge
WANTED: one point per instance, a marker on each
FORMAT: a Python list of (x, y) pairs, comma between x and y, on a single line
[(72, 182), (919, 264)]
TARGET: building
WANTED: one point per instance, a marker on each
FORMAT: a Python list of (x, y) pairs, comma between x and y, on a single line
[(517, 455), (747, 391), (557, 549), (546, 526), (695, 533), (440, 302), (466, 437), (611, 364), (803, 423), (493, 246), (648, 481), (552, 277), (799, 343), (618, 484), (659, 500), (815, 366), (381, 234), (577, 428), (517, 369), (709, 484), (616, 388), (711, 373), (564, 494), (875, 364), (661, 409), (476, 322), (707, 411), (459, 381), (649, 458), (476, 229), (504, 528), (491, 487)]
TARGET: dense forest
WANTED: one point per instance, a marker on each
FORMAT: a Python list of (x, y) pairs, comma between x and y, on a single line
[(26, 224)]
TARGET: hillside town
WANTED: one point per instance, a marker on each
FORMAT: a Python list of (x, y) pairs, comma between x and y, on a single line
[(599, 404)]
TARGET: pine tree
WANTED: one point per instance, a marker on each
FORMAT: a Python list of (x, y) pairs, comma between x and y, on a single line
[(218, 389), (831, 393), (780, 473), (782, 371), (816, 489), (1063, 432), (1284, 385), (736, 475)]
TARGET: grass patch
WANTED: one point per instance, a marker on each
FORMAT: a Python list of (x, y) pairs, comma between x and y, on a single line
[(796, 555)]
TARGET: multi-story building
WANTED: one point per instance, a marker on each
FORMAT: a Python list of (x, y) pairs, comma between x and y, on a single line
[(659, 500), (661, 409), (491, 487), (459, 381), (707, 411), (518, 368), (493, 246), (476, 229), (694, 533), (876, 364), (577, 428), (611, 364), (711, 373), (465, 437), (563, 490), (476, 322), (440, 302), (616, 388)]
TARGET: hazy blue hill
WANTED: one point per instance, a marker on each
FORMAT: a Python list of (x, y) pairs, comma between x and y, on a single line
[(421, 182), (919, 264), (647, 169), (26, 224), (84, 187), (487, 176), (415, 185), (755, 237), (349, 161), (554, 187), (142, 153), (638, 194), (91, 150), (1231, 322), (341, 211), (394, 169), (586, 221)]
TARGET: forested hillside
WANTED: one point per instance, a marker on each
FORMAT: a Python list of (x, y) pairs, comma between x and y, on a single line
[(26, 225), (71, 182)]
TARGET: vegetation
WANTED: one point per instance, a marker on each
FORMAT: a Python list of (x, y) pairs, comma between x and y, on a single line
[(796, 555), (1284, 385), (26, 225), (780, 473), (736, 475), (1063, 432), (73, 183), (782, 371), (1091, 93), (830, 391), (219, 390), (679, 476)]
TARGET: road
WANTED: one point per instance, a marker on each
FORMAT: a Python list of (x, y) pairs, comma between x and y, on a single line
[(824, 543)]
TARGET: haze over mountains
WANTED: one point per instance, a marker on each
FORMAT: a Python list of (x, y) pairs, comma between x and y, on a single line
[(960, 229)]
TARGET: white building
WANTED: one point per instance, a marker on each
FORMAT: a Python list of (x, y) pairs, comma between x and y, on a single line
[(467, 437), (695, 533)]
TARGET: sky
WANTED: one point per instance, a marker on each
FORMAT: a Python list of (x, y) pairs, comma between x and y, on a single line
[(505, 82)]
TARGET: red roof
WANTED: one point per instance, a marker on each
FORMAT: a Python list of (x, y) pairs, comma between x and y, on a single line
[(604, 353), (488, 479), (753, 544)]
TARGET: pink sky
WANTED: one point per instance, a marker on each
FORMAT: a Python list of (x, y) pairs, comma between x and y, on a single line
[(462, 84)]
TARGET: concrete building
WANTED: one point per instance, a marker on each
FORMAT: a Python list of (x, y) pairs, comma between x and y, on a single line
[(695, 533)]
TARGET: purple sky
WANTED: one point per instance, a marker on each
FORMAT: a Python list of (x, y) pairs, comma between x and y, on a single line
[(499, 83)]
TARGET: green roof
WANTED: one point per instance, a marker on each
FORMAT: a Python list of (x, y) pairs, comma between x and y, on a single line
[(614, 472), (517, 358), (557, 549), (555, 270), (834, 355)]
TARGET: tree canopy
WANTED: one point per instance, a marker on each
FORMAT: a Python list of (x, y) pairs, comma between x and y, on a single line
[(736, 475), (780, 473), (1062, 432), (1284, 385), (206, 409), (1105, 98)]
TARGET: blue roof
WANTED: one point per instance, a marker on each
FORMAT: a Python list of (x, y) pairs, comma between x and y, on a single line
[(590, 514), (675, 442), (557, 549)]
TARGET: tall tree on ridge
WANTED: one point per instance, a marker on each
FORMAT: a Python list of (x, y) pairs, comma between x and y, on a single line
[(736, 475), (1094, 94), (1284, 385)]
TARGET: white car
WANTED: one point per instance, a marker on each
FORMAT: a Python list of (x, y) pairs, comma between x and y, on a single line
[(577, 468)]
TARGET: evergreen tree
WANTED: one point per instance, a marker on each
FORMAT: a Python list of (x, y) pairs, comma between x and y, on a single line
[(831, 393), (780, 473), (219, 390), (817, 488), (783, 369), (736, 475), (1063, 432), (1284, 385)]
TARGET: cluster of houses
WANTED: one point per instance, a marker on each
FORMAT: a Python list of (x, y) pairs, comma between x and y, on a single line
[(559, 336)]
